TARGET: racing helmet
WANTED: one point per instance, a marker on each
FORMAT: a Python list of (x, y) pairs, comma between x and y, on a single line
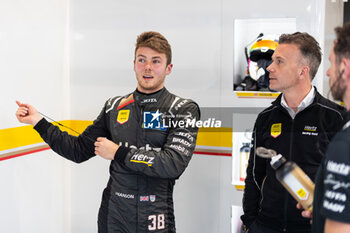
[(259, 57), (262, 47)]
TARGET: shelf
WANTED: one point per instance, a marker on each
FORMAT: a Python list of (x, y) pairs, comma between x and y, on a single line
[(256, 94), (239, 185)]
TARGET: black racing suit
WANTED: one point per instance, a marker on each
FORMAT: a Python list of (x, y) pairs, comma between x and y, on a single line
[(156, 146), (303, 140)]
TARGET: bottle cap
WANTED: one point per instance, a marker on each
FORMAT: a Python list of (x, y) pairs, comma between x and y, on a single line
[(277, 161)]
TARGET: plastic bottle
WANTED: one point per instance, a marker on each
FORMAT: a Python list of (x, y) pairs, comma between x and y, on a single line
[(244, 157), (294, 179)]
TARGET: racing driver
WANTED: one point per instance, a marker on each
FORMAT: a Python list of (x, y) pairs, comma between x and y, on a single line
[(147, 152)]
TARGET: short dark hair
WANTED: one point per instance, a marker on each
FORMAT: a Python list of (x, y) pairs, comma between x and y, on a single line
[(309, 48), (342, 42), (155, 41)]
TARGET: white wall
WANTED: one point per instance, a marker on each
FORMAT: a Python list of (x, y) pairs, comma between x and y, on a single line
[(33, 187), (67, 57)]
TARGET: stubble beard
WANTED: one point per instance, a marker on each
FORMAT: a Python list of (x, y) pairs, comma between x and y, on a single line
[(338, 88)]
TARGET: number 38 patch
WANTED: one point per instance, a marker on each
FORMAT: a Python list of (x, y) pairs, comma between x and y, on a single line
[(157, 222)]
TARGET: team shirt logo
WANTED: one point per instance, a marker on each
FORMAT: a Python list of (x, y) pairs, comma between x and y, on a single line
[(310, 130), (337, 186), (276, 130), (123, 116)]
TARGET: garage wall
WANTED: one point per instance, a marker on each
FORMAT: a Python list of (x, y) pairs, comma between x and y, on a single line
[(67, 57), (33, 196)]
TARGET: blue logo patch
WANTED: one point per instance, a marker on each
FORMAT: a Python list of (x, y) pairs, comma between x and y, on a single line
[(152, 120)]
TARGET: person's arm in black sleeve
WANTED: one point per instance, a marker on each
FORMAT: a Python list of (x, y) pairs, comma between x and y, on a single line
[(173, 158), (333, 123), (256, 172), (77, 149)]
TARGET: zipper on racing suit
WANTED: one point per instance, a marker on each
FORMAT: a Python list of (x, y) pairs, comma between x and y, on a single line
[(141, 123)]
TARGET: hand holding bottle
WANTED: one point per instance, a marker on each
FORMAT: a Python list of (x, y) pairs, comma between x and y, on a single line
[(292, 177), (305, 213)]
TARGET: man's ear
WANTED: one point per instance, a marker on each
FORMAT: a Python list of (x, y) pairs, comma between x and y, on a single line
[(345, 68), (168, 69), (305, 72)]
